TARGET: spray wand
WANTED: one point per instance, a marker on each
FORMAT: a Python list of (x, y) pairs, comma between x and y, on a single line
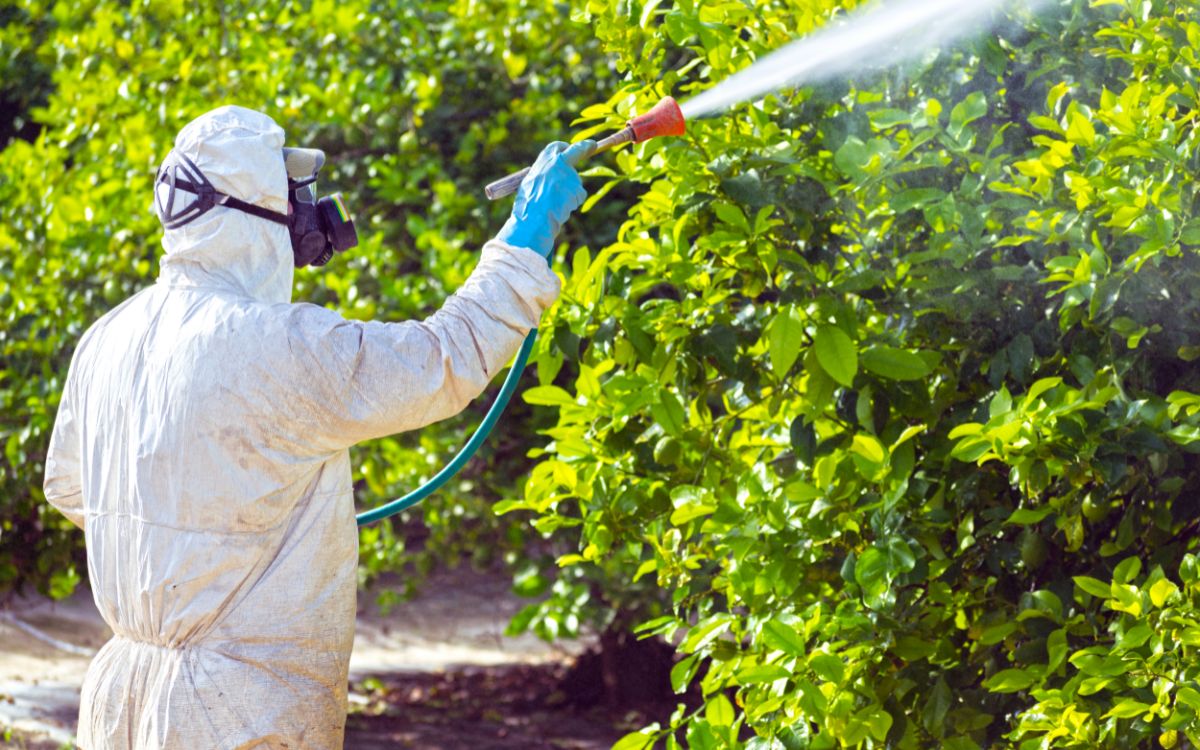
[(664, 118)]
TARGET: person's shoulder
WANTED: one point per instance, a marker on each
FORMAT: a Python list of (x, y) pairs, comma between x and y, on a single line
[(300, 324), (108, 319), (300, 314)]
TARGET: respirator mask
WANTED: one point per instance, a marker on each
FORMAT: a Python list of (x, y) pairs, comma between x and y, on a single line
[(318, 227)]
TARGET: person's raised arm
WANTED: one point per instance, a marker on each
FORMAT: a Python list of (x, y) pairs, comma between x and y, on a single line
[(370, 379)]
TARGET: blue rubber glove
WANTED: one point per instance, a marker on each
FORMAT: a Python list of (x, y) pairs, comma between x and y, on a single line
[(547, 196)]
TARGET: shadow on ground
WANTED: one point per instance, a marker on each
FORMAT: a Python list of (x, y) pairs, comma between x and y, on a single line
[(520, 706)]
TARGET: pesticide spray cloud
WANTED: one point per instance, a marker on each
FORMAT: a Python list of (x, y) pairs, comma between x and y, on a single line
[(873, 37)]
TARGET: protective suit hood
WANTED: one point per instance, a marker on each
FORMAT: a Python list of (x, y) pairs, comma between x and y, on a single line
[(240, 152)]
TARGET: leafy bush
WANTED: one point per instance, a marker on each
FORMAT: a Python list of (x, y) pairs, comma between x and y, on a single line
[(889, 387)]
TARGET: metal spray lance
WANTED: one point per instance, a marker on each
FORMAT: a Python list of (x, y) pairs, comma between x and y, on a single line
[(664, 118)]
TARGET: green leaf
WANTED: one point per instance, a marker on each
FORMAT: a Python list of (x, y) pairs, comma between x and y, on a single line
[(1190, 636), (648, 13), (1189, 569), (1127, 570), (514, 64), (683, 672), (812, 699), (1040, 387), (1161, 591), (1127, 599), (548, 395), (1080, 130), (879, 722), (1046, 123), (906, 200), (783, 637), (852, 156), (705, 633), (655, 624), (933, 715), (1135, 637), (836, 354), (63, 583), (969, 429), (1009, 681), (668, 412), (732, 215), (871, 570), (857, 730), (997, 633), (1127, 709), (889, 118), (911, 649), (761, 673), (785, 337), (966, 112), (908, 434), (1093, 586), (1056, 649), (1093, 685), (647, 566), (900, 557), (828, 667), (1096, 665), (1190, 234), (1188, 696), (639, 740), (685, 513), (700, 736), (1027, 516), (746, 189), (719, 711), (1047, 601), (869, 447), (896, 364), (1000, 404)]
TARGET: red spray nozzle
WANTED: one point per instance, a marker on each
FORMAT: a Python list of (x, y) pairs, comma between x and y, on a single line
[(664, 118)]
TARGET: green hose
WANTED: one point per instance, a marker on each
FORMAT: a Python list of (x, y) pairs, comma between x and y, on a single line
[(468, 450)]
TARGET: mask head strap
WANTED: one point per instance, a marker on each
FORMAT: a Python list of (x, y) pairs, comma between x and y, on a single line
[(183, 174)]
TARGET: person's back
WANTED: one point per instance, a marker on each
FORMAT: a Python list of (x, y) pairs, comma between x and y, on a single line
[(235, 612), (201, 443)]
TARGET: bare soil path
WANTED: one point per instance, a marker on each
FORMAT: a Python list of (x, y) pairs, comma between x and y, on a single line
[(436, 672)]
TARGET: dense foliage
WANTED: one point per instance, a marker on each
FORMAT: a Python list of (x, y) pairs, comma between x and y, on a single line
[(878, 399), (890, 387)]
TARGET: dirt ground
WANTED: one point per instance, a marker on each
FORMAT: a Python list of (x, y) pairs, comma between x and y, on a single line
[(509, 707), (435, 673)]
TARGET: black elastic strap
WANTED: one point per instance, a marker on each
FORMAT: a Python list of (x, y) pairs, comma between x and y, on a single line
[(207, 196), (230, 202)]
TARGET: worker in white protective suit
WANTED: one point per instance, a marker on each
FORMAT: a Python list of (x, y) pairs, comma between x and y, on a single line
[(201, 441)]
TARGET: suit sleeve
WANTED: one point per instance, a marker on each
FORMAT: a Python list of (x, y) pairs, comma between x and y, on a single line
[(356, 380), (62, 483)]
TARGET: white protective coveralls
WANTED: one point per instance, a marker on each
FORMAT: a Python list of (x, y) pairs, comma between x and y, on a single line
[(201, 443)]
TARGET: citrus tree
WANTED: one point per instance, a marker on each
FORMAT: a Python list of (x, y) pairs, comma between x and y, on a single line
[(886, 388)]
